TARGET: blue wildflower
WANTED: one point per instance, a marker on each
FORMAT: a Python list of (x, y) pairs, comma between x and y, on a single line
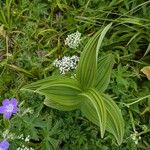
[(4, 145), (9, 107)]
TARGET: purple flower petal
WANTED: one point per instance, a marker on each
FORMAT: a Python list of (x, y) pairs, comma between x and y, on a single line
[(7, 115), (2, 109), (6, 102), (13, 101), (15, 110), (9, 107), (4, 145)]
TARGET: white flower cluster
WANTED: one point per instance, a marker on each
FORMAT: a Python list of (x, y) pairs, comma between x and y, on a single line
[(135, 137), (66, 63), (7, 135), (73, 40), (26, 139), (23, 147)]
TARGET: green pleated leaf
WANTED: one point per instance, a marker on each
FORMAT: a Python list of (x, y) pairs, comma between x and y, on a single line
[(40, 83), (105, 65), (56, 105), (60, 93), (87, 66), (89, 111), (92, 103), (115, 122)]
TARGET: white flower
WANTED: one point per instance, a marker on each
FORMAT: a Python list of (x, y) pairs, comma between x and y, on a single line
[(73, 40), (66, 63), (21, 137), (27, 139), (135, 137), (23, 147), (7, 135)]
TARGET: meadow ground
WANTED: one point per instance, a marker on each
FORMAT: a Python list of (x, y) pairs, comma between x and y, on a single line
[(34, 45)]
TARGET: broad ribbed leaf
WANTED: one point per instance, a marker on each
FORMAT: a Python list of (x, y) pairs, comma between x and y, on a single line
[(89, 111), (53, 104), (105, 65), (87, 67), (93, 99), (40, 83), (60, 93), (115, 122)]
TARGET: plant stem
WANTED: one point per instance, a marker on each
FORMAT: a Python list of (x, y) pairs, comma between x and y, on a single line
[(143, 132), (140, 99), (132, 121), (7, 47)]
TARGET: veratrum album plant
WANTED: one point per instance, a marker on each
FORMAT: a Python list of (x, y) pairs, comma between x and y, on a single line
[(86, 91)]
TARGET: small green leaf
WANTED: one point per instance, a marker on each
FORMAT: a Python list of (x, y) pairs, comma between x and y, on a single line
[(94, 99), (105, 65), (87, 67)]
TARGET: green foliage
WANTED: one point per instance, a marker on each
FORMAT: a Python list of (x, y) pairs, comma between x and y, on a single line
[(5, 13), (64, 93), (99, 109), (32, 35), (87, 67), (103, 74)]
